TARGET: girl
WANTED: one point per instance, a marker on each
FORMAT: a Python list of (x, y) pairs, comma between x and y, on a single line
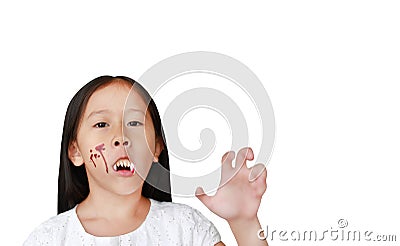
[(111, 144)]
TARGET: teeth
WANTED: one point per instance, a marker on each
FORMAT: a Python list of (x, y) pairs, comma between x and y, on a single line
[(123, 163), (131, 166)]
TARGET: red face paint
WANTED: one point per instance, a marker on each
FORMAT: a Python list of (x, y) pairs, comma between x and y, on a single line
[(91, 158), (100, 148)]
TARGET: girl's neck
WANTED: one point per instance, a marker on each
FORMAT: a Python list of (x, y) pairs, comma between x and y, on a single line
[(112, 206)]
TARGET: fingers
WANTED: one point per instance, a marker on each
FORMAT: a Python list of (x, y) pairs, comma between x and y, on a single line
[(243, 155), (258, 178), (258, 171), (202, 196), (228, 157)]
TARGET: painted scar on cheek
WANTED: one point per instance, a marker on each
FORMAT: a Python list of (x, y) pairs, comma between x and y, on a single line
[(95, 156), (100, 149)]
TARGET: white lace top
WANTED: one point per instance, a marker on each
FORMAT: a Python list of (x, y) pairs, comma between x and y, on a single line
[(166, 223)]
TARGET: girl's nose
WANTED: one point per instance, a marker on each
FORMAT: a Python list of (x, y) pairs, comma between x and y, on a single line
[(118, 141)]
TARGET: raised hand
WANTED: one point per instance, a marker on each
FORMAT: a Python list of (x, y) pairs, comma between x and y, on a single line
[(241, 188)]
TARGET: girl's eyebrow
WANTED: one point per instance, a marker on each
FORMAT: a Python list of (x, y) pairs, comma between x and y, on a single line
[(135, 110), (106, 111), (101, 111)]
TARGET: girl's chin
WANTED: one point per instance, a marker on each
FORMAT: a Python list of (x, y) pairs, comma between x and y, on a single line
[(125, 191)]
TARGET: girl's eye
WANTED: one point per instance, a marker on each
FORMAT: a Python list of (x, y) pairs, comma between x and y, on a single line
[(134, 123), (100, 125)]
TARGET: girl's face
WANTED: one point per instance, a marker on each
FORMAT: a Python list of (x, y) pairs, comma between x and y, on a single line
[(116, 140)]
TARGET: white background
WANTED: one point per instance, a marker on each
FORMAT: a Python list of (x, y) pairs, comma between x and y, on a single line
[(331, 70)]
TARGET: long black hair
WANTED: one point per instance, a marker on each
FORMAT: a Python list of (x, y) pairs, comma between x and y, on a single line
[(73, 186)]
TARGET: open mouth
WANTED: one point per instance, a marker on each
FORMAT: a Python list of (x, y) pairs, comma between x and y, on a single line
[(124, 165)]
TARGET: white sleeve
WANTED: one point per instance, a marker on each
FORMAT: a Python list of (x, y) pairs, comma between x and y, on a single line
[(42, 235), (205, 231)]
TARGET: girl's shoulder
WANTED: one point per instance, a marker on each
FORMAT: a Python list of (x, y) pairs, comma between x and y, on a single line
[(48, 230), (178, 211), (170, 206), (181, 219)]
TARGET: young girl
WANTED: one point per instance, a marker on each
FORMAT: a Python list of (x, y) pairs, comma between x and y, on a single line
[(111, 144)]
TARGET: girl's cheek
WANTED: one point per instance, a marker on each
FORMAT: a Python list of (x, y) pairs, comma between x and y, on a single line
[(94, 156)]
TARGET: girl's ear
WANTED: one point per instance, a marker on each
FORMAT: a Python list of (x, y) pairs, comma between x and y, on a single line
[(158, 149), (74, 154)]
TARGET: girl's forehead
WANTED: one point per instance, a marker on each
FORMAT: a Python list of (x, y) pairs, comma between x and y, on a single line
[(115, 97)]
